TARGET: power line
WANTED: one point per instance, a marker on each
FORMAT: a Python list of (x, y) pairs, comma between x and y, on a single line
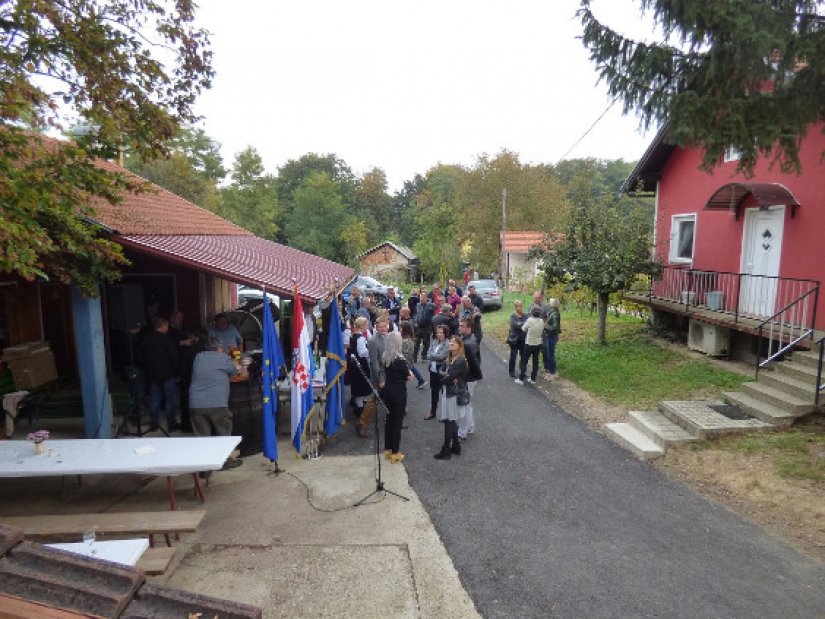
[(589, 129)]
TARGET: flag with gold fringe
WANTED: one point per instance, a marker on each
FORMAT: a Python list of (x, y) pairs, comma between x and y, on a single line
[(273, 359)]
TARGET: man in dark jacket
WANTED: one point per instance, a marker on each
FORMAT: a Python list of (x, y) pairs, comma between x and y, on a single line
[(423, 321), (158, 354), (447, 319), (466, 424)]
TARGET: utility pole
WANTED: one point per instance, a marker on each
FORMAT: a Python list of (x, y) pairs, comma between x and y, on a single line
[(505, 271)]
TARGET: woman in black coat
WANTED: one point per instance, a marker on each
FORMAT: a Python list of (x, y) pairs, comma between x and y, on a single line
[(394, 394)]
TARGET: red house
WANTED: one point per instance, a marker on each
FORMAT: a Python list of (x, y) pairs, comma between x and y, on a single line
[(743, 257)]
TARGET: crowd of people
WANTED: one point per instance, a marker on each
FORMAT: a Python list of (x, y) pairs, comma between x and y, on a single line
[(434, 338), (533, 332), (386, 339), (184, 372)]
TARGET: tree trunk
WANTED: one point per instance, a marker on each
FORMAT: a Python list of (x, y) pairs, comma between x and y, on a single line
[(604, 297)]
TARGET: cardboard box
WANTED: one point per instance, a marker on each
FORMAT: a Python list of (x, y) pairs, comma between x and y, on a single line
[(24, 350), (32, 364)]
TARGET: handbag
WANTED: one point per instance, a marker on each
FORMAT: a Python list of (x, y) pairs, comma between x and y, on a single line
[(463, 395)]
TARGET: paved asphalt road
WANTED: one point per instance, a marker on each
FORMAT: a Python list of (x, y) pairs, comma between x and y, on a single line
[(544, 517)]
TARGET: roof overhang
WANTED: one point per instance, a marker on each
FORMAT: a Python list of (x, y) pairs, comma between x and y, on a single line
[(733, 196), (248, 260), (648, 170)]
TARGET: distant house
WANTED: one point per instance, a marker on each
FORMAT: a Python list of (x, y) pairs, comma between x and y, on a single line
[(391, 262), (518, 267), (742, 256)]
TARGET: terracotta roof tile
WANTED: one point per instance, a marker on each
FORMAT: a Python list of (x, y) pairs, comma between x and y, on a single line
[(247, 260), (158, 211), (521, 242)]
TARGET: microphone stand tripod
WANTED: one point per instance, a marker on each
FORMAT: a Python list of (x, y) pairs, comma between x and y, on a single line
[(379, 482)]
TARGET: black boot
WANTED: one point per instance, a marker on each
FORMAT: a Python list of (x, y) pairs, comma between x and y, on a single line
[(446, 453), (456, 448)]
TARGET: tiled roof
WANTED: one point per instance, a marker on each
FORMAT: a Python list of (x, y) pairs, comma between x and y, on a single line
[(521, 242), (247, 260), (158, 211), (163, 224), (401, 249)]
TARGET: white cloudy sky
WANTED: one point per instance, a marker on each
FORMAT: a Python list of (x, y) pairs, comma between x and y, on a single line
[(406, 85)]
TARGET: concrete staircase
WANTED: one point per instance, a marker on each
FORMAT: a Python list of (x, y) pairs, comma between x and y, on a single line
[(780, 396)]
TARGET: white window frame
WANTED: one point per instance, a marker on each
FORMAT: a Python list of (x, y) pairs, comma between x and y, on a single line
[(731, 154), (675, 230)]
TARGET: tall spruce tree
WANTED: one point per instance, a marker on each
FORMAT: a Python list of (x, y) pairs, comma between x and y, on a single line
[(746, 74)]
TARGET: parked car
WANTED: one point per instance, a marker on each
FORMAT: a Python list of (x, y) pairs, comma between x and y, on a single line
[(369, 285), (489, 292), (250, 297)]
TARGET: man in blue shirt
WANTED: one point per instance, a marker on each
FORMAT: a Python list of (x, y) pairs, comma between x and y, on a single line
[(209, 394), (227, 333)]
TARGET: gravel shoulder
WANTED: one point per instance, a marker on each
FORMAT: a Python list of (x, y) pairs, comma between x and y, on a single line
[(793, 510)]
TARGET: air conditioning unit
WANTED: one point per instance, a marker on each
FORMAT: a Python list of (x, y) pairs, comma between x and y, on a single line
[(710, 339)]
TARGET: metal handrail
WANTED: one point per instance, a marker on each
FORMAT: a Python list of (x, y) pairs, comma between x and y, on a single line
[(820, 386), (721, 291), (775, 322)]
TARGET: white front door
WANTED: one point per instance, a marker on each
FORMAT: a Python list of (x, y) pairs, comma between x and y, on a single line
[(761, 253)]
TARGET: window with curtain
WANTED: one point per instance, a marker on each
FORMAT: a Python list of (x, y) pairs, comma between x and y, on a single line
[(682, 236)]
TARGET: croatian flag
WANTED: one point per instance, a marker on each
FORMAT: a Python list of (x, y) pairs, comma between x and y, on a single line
[(273, 359), (303, 372)]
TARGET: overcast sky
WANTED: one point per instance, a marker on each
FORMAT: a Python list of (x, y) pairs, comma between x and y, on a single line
[(406, 85)]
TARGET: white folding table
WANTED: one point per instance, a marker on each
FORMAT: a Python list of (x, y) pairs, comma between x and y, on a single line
[(123, 551), (141, 456)]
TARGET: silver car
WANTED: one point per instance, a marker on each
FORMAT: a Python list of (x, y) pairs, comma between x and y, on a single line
[(489, 292)]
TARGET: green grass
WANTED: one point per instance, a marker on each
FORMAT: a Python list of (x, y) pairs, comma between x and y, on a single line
[(799, 451), (631, 370)]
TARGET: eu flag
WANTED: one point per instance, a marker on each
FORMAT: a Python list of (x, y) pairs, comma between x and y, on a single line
[(273, 359), (335, 370)]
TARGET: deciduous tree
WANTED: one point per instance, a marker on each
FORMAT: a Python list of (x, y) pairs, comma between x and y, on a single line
[(605, 247), (251, 201), (319, 218), (132, 70)]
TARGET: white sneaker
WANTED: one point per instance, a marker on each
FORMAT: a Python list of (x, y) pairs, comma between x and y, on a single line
[(518, 381), (530, 381), (424, 384)]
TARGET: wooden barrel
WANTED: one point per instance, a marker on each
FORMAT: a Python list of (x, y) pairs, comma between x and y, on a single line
[(246, 404)]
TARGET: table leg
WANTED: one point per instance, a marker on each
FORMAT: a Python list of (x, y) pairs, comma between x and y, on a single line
[(170, 487), (198, 488)]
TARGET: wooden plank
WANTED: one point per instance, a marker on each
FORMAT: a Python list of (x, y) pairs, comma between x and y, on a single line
[(18, 608), (112, 524), (154, 561)]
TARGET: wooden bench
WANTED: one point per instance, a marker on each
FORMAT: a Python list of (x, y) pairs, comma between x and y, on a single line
[(111, 524), (155, 561)]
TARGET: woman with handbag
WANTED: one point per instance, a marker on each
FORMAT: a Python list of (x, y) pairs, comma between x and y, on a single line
[(516, 337), (437, 357), (455, 398)]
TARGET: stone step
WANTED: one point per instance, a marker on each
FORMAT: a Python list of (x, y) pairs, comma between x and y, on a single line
[(808, 358), (659, 429), (797, 371), (634, 441), (804, 391), (699, 419), (760, 409), (777, 398)]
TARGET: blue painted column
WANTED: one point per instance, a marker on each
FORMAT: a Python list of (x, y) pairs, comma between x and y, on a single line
[(91, 363)]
